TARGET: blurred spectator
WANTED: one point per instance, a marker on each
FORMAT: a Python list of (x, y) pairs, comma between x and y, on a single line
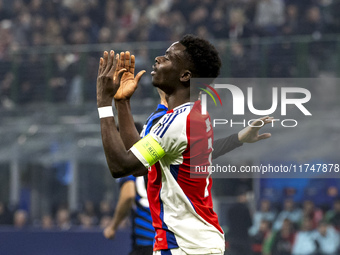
[(79, 36), (156, 9), (4, 14), (309, 210), (31, 79), (69, 67), (130, 15), (289, 212), (111, 15), (333, 216), (89, 213), (20, 219), (239, 223), (203, 32), (141, 32), (6, 41), (218, 23), (335, 17), (104, 35), (327, 240), (291, 24), (52, 33), (86, 221), (160, 31), (283, 239), (5, 215), (90, 78), (282, 59), (6, 89), (184, 6), (282, 55), (265, 213), (22, 24), (198, 17), (269, 16), (47, 222), (105, 209), (64, 22), (261, 241), (238, 25), (63, 220), (61, 75), (178, 25), (305, 239), (314, 25), (240, 62)]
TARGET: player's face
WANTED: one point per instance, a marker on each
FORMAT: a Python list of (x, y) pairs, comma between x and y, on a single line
[(169, 67)]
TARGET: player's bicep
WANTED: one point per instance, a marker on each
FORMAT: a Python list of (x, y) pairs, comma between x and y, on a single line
[(148, 151)]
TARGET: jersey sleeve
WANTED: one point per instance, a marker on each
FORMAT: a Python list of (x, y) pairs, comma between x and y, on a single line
[(167, 137), (224, 145)]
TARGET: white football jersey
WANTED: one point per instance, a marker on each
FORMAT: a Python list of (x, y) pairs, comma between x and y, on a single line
[(181, 205)]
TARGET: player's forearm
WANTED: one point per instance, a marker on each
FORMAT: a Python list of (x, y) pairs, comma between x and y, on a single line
[(124, 205), (122, 210), (120, 161), (127, 128), (225, 145)]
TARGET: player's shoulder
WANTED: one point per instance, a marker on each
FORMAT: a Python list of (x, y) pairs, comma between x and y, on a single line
[(174, 120), (181, 110)]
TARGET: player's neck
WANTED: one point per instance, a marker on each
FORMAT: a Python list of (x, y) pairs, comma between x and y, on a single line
[(178, 98)]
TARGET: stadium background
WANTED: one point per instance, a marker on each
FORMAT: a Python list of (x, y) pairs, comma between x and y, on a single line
[(54, 182)]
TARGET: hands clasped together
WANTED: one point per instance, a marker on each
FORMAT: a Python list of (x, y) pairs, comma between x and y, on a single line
[(116, 78)]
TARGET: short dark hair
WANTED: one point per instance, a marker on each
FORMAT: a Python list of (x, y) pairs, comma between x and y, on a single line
[(204, 57)]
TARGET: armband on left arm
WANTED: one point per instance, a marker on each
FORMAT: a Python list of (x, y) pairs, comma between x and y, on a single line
[(148, 151)]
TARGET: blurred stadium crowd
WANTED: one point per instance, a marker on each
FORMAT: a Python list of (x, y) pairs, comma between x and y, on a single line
[(88, 216), (35, 23), (59, 22), (303, 229)]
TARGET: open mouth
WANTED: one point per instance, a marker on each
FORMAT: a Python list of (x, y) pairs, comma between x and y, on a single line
[(154, 70)]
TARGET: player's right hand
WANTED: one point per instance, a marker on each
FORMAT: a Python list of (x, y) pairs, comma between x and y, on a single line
[(109, 233), (108, 79)]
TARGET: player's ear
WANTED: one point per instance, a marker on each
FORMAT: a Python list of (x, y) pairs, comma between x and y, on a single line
[(185, 76)]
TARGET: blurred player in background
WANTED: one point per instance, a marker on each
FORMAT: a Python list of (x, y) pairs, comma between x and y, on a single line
[(181, 206)]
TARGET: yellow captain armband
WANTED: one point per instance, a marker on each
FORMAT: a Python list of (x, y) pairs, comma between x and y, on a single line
[(150, 149)]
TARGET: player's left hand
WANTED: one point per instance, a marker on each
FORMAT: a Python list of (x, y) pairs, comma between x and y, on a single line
[(129, 82), (108, 79), (250, 134), (109, 233)]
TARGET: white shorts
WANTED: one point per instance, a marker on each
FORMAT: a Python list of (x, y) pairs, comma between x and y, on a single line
[(179, 251)]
